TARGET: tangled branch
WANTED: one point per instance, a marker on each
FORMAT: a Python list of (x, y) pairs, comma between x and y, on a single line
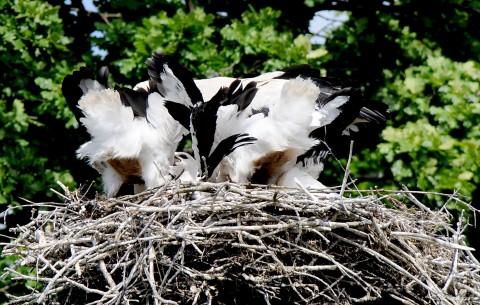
[(235, 244)]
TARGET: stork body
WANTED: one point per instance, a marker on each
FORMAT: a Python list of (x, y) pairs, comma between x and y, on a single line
[(133, 133), (338, 116), (281, 132), (276, 128)]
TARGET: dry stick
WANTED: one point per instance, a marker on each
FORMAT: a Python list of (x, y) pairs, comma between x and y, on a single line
[(382, 258), (33, 298), (346, 271), (295, 207), (85, 288), (103, 269), (65, 268), (107, 275), (345, 177), (304, 189), (453, 269), (59, 194), (133, 272), (171, 266), (415, 200), (406, 257), (403, 300), (431, 239), (149, 272)]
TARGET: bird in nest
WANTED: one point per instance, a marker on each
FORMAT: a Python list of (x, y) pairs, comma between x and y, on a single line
[(134, 134), (276, 128), (298, 118)]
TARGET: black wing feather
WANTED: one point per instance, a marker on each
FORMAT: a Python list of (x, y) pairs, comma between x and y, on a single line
[(204, 121), (71, 89), (242, 97), (155, 65), (299, 70), (135, 99), (332, 138), (226, 147), (179, 112)]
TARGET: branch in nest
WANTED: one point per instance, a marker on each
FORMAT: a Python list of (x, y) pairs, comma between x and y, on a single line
[(230, 244)]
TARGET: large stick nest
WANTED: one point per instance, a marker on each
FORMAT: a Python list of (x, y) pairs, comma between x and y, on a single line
[(232, 244)]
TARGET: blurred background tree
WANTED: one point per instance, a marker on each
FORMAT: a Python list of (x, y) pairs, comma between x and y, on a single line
[(419, 57)]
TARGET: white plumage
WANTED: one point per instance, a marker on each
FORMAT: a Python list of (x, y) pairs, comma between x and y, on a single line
[(114, 131), (116, 134), (284, 134), (276, 128), (133, 135), (294, 175), (185, 168), (284, 131)]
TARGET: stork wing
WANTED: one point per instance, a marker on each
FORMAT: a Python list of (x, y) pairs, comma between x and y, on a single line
[(71, 89), (172, 80), (135, 99), (203, 125), (226, 147)]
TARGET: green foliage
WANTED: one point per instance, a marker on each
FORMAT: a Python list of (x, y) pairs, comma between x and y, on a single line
[(31, 57), (189, 35), (432, 139), (247, 46), (257, 34), (9, 284), (433, 142)]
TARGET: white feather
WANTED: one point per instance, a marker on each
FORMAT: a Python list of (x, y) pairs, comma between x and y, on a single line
[(116, 133), (294, 175), (155, 165), (285, 128), (209, 87), (158, 116), (160, 144), (145, 85), (312, 166), (293, 114), (186, 168), (112, 181), (172, 88), (329, 112)]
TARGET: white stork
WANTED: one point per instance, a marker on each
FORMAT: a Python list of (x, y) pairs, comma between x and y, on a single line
[(276, 128), (133, 133), (287, 150)]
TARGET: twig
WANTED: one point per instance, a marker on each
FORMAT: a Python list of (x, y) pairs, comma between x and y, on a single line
[(345, 176), (161, 247)]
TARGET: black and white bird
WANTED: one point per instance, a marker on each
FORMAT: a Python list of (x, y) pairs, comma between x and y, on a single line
[(294, 151), (133, 133), (279, 123), (276, 128), (211, 141)]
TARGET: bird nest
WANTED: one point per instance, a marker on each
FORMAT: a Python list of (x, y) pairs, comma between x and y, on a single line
[(241, 244)]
